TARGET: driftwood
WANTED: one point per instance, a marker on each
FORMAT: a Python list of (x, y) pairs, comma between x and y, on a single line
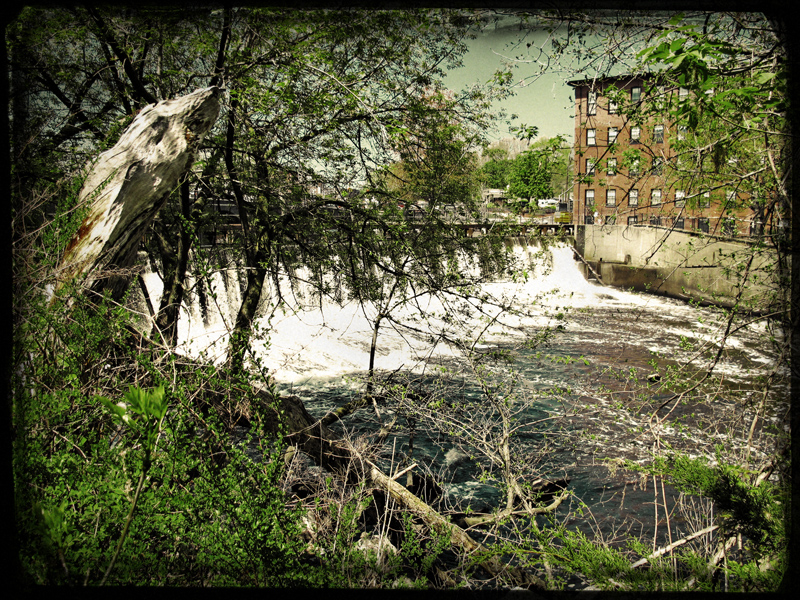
[(724, 546), (672, 546), (588, 266)]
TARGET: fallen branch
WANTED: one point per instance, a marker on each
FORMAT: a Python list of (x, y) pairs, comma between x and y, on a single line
[(664, 550), (397, 475), (712, 564), (584, 261), (458, 537), (672, 546), (482, 519)]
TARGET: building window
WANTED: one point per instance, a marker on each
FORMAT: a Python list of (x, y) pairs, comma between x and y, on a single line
[(658, 166), (611, 220), (612, 134), (730, 198), (589, 197), (678, 223), (612, 107), (611, 166), (704, 201), (632, 220), (636, 94), (635, 169), (636, 133), (683, 92), (702, 224), (633, 198), (658, 134), (655, 221), (729, 226), (655, 197), (592, 103), (588, 220), (590, 166), (682, 129), (680, 198), (591, 139), (611, 197), (756, 228)]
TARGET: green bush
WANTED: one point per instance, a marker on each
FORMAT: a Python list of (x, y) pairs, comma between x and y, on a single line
[(206, 513), (122, 473)]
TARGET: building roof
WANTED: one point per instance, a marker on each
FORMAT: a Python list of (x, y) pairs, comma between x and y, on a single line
[(589, 81)]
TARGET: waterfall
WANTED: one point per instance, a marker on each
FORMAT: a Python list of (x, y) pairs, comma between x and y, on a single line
[(307, 337), (209, 305), (310, 337)]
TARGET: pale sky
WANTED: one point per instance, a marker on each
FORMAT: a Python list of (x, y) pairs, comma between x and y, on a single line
[(546, 102)]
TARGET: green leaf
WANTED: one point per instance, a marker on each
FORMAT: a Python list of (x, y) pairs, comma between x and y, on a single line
[(676, 45), (763, 78), (118, 413), (676, 20)]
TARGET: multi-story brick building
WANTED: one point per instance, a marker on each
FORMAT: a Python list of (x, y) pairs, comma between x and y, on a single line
[(612, 188)]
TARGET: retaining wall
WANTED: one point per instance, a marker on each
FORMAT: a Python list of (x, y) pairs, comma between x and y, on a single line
[(678, 264)]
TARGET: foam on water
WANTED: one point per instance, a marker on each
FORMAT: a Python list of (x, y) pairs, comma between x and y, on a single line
[(333, 340), (320, 341)]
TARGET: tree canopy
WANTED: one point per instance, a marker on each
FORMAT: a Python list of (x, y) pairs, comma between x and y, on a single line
[(532, 173), (318, 104)]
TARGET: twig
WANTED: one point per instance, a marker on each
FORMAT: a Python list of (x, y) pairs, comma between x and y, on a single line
[(73, 443), (484, 519), (406, 470), (127, 525)]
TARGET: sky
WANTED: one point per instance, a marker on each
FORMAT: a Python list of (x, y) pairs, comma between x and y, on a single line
[(546, 102)]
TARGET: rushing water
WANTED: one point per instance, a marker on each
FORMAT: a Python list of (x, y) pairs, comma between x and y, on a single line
[(320, 352)]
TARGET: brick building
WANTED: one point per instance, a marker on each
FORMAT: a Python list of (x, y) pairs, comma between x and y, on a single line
[(612, 188)]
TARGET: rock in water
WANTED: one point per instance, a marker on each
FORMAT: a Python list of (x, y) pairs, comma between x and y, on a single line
[(128, 184)]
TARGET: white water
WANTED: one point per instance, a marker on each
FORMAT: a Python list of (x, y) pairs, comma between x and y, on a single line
[(324, 341)]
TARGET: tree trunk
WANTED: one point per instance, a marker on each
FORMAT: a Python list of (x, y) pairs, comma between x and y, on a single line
[(175, 276), (129, 184), (372, 348), (242, 329)]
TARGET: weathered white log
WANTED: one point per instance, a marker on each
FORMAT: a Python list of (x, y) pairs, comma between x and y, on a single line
[(672, 546), (458, 537), (128, 184)]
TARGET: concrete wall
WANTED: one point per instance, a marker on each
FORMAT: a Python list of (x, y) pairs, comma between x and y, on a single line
[(676, 263)]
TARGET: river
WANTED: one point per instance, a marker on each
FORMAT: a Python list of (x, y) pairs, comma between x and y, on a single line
[(579, 387)]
